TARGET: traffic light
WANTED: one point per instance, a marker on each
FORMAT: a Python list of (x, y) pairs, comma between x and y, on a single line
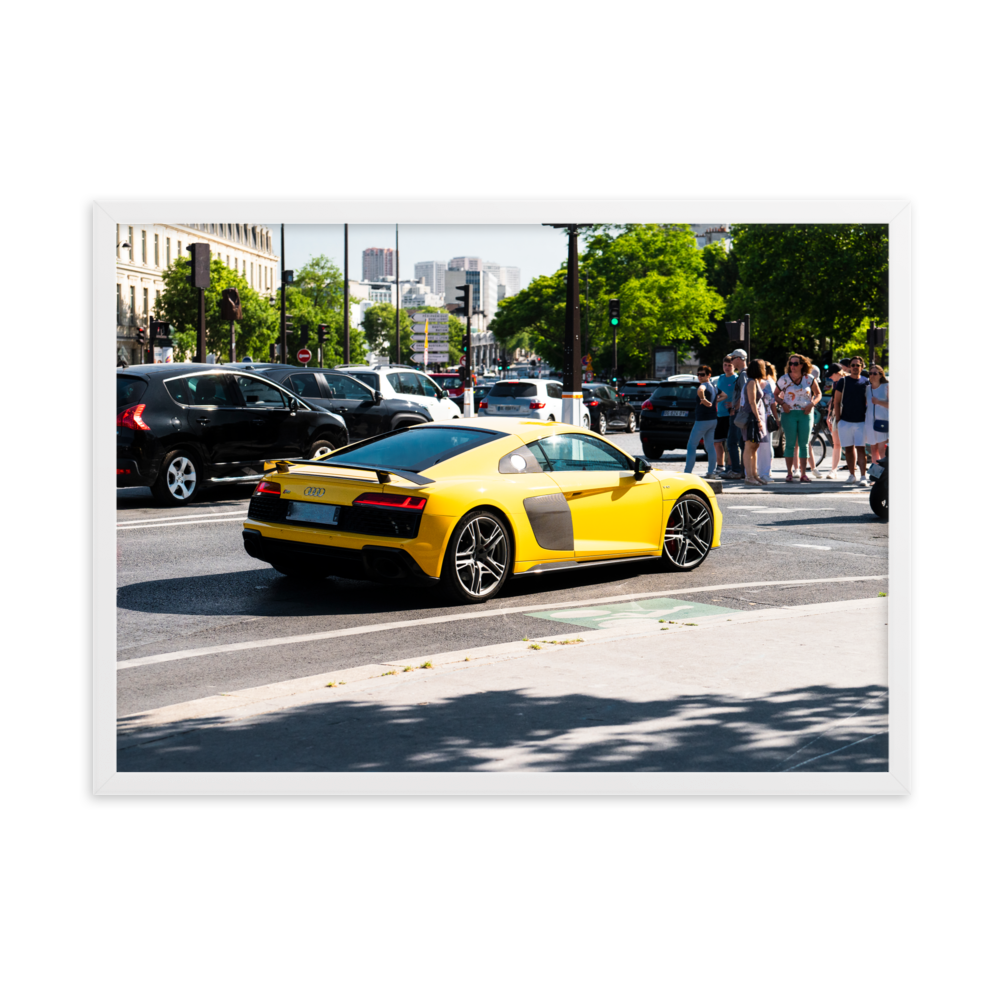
[(614, 311), (288, 326), (503, 364), (201, 265), (303, 334), (140, 335), (827, 365), (463, 295), (287, 277), (323, 333)]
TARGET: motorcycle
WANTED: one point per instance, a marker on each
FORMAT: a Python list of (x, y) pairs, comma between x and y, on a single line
[(878, 497)]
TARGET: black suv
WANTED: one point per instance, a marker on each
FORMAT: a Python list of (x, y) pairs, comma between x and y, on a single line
[(666, 418), (364, 409), (636, 393), (185, 426), (602, 406)]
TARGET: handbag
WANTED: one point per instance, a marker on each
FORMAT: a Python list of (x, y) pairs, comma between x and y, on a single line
[(881, 426), (772, 424)]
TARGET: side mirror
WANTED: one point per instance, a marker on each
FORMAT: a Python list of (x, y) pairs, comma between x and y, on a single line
[(641, 467), (293, 403)]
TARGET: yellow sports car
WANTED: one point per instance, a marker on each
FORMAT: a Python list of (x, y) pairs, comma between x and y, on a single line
[(472, 502)]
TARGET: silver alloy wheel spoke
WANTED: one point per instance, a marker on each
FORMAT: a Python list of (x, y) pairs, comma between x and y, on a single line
[(689, 531), (181, 478), (481, 556)]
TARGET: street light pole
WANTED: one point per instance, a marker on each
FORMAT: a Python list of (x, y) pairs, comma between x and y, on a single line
[(572, 394), (282, 334), (347, 299), (399, 356)]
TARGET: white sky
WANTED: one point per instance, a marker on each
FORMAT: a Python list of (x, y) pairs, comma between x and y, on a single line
[(534, 249)]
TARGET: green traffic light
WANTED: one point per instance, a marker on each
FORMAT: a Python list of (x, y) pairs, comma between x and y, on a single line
[(614, 322)]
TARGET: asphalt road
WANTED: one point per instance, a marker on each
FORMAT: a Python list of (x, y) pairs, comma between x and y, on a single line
[(185, 582)]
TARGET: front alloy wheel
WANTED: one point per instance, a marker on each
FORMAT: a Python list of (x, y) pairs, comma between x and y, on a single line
[(688, 535), (602, 424), (631, 422), (478, 558)]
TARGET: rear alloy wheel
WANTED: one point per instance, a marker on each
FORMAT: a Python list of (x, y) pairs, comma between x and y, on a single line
[(688, 536), (586, 420), (177, 482), (478, 559), (630, 426), (319, 450), (602, 424), (878, 498)]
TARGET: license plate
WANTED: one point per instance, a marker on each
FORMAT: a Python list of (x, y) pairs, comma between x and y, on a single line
[(675, 413), (506, 408), (318, 513)]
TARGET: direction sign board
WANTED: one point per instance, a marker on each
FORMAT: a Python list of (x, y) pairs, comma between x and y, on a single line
[(433, 357), (305, 355), (432, 338), (430, 318), (431, 327)]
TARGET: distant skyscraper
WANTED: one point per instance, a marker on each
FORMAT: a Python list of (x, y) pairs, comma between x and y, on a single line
[(508, 277), (431, 273), (465, 264), (378, 263)]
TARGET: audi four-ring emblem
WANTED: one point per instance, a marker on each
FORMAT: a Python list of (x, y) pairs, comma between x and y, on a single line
[(314, 491)]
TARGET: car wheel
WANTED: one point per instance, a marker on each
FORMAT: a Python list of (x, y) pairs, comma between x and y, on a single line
[(688, 535), (178, 481), (319, 450), (602, 424), (300, 570), (477, 561), (878, 498), (631, 422), (652, 452), (586, 420)]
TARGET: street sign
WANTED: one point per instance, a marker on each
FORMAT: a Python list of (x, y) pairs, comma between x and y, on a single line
[(305, 355), (432, 356), (432, 338), (431, 328), (430, 318)]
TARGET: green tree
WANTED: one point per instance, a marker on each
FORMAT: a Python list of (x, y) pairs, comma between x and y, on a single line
[(811, 288), (534, 318), (178, 305), (317, 296)]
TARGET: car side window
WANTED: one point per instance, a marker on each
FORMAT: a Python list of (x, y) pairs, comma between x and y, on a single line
[(427, 385), (578, 453), (343, 387), (304, 383), (553, 391), (260, 394), (405, 382), (200, 390)]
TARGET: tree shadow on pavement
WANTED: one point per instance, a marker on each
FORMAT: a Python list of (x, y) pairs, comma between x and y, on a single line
[(815, 728)]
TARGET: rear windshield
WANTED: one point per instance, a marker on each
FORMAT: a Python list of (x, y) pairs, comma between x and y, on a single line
[(414, 449), (681, 392), (640, 385), (130, 389), (518, 390), (369, 378), (448, 381)]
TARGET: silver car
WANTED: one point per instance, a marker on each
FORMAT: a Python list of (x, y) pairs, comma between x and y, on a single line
[(524, 398)]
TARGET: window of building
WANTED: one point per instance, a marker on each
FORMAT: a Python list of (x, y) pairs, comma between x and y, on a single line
[(131, 301), (156, 249), (144, 246), (145, 304), (168, 251), (244, 267), (227, 260), (118, 307), (131, 244), (118, 246), (156, 308)]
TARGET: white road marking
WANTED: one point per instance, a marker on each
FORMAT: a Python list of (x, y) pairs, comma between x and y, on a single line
[(784, 510), (804, 545), (171, 523), (235, 647), (183, 517)]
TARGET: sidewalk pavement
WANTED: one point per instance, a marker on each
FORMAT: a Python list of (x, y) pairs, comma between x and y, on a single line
[(779, 689)]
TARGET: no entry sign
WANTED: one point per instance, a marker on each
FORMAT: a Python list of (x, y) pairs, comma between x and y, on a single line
[(305, 355)]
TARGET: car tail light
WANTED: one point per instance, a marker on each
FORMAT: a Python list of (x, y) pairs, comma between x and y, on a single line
[(266, 486), (536, 405), (483, 406), (647, 405), (394, 500), (132, 418), (594, 402)]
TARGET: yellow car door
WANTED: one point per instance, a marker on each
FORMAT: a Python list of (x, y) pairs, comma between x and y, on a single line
[(613, 514)]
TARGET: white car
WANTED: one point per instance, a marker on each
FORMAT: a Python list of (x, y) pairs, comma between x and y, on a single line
[(400, 382), (524, 398)]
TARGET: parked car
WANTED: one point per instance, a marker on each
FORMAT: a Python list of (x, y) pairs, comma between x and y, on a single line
[(666, 418), (183, 427), (636, 393), (526, 399), (483, 386), (603, 407), (403, 382), (452, 383), (365, 410)]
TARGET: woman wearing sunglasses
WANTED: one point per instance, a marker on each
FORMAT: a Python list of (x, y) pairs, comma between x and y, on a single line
[(880, 398), (798, 393)]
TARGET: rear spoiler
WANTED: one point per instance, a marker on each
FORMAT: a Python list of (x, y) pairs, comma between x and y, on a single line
[(381, 472)]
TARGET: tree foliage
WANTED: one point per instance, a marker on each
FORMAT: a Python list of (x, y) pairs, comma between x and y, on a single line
[(380, 331), (810, 287)]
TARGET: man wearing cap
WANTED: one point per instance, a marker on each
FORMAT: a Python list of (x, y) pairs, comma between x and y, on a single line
[(734, 442), (850, 406)]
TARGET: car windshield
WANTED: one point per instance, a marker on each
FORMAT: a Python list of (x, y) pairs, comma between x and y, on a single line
[(518, 390), (130, 389), (685, 393), (414, 448)]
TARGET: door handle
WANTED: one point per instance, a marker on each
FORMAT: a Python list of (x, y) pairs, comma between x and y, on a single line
[(257, 421), (202, 420)]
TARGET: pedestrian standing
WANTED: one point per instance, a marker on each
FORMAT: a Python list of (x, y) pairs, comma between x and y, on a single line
[(850, 407), (735, 440), (798, 393), (724, 383), (765, 451), (705, 418), (880, 423), (755, 429), (831, 423)]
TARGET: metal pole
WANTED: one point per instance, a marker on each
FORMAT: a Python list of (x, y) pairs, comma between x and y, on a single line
[(347, 300), (202, 340), (399, 356), (282, 335), (572, 408), (746, 320), (467, 395), (871, 343), (232, 340)]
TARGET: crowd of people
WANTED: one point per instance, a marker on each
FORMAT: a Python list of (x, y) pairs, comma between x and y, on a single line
[(738, 412)]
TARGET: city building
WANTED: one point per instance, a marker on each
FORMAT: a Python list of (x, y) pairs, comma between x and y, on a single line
[(145, 252), (508, 278), (465, 264), (484, 306), (378, 263), (712, 232), (431, 273)]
